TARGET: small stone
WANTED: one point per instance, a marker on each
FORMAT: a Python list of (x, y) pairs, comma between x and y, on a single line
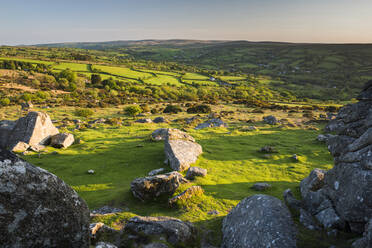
[(193, 172), (261, 186), (295, 157), (268, 149), (213, 212), (91, 172), (156, 171)]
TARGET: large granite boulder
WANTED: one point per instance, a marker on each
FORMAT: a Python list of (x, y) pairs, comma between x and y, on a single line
[(341, 197), (6, 128), (259, 221), (152, 187), (37, 209), (366, 240), (142, 231), (34, 129), (181, 150)]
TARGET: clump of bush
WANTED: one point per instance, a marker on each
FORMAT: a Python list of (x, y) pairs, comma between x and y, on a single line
[(4, 101), (172, 109), (145, 108), (199, 109), (132, 110), (84, 112)]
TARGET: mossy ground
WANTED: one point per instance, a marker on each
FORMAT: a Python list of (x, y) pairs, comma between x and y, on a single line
[(120, 154)]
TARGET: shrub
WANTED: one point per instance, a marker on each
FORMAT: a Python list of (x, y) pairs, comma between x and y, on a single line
[(4, 101), (132, 110), (145, 108), (173, 109), (84, 112), (199, 109)]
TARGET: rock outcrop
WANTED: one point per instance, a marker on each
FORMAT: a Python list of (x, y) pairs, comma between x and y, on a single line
[(270, 120), (188, 193), (341, 197), (34, 129), (259, 221), (215, 122), (366, 240), (181, 150), (152, 187), (37, 209), (143, 231)]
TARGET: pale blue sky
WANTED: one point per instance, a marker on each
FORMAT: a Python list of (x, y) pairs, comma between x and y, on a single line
[(47, 21)]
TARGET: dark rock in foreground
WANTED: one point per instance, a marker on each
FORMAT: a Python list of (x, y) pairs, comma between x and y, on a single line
[(142, 231), (259, 221), (37, 209)]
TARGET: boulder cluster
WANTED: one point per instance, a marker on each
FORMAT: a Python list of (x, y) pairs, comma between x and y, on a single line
[(33, 132), (341, 197)]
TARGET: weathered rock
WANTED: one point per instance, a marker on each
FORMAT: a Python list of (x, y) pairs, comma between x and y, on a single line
[(324, 137), (216, 122), (261, 186), (159, 134), (141, 231), (152, 187), (156, 171), (181, 150), (193, 172), (34, 129), (37, 209), (20, 147), (342, 198), (366, 240), (188, 193), (250, 128), (268, 149), (105, 245), (6, 128), (259, 221), (270, 120), (145, 120), (106, 210), (100, 232), (307, 220), (292, 202), (62, 140), (160, 120)]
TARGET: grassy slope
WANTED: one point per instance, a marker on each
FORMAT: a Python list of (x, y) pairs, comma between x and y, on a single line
[(231, 157)]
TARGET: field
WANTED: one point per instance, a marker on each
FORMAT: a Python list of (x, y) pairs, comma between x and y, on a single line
[(119, 154)]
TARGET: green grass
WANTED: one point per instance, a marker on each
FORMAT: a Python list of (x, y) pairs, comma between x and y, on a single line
[(122, 71), (230, 156), (27, 60), (194, 76), (72, 66), (162, 79)]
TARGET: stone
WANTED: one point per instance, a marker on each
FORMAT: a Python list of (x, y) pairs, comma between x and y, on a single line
[(106, 210), (329, 218), (261, 186), (216, 122), (292, 202), (295, 158), (159, 134), (152, 187), (259, 221), (140, 231), (181, 150), (250, 128), (100, 232), (366, 240), (62, 140), (105, 245), (271, 120), (324, 137), (6, 128), (193, 172), (307, 220), (20, 147), (156, 171), (160, 120), (37, 209), (34, 129), (145, 120), (268, 149), (90, 171), (188, 193)]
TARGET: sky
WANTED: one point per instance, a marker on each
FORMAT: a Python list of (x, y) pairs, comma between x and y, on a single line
[(52, 21)]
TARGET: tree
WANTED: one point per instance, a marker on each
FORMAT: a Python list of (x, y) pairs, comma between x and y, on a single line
[(96, 79), (68, 74), (132, 110)]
